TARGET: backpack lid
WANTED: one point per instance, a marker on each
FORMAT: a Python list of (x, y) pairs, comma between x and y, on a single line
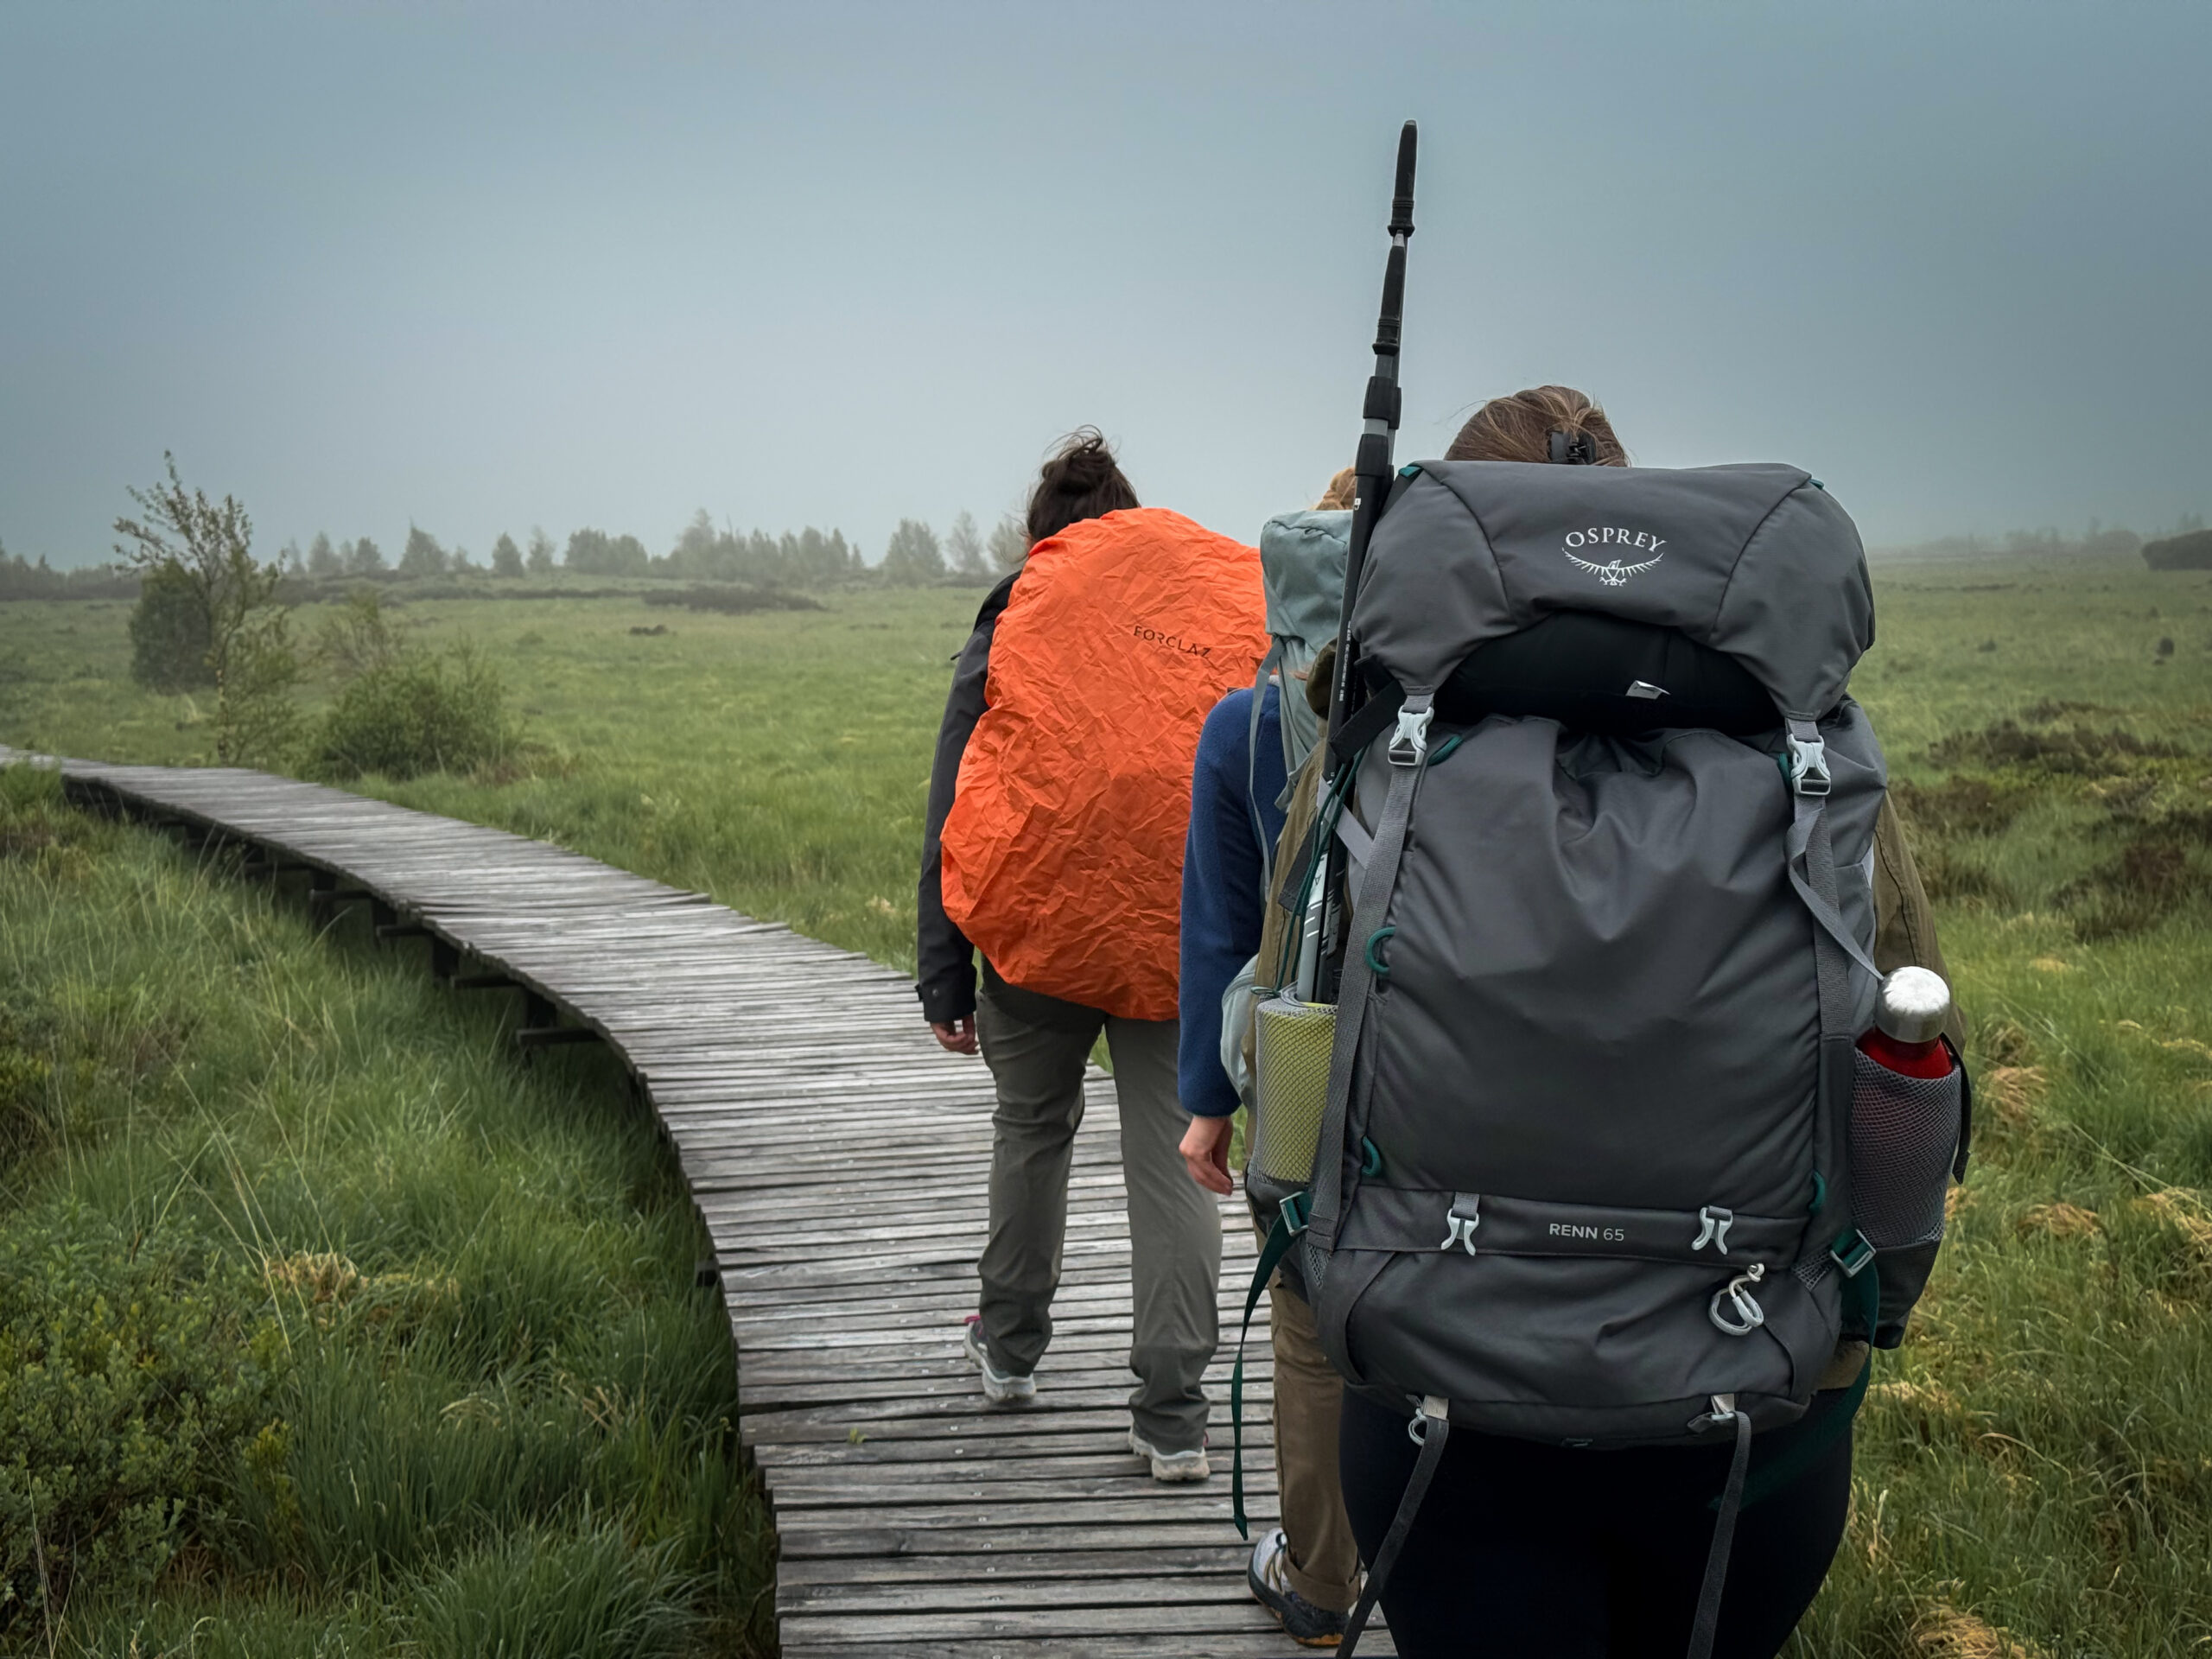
[(1757, 560), (1302, 558)]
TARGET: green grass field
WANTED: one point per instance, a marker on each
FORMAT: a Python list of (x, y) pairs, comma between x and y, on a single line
[(325, 1328), (2035, 1470)]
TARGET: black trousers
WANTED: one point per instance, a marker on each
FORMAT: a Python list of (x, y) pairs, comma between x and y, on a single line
[(1526, 1551)]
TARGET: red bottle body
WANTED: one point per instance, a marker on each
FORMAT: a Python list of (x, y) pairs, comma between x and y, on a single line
[(1929, 1060)]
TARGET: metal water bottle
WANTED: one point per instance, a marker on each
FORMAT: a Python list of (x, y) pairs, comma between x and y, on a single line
[(1907, 1035)]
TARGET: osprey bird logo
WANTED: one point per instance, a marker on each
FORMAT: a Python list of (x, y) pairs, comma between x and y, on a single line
[(1612, 572)]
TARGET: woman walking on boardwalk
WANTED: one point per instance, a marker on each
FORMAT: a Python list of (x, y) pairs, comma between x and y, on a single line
[(1053, 845)]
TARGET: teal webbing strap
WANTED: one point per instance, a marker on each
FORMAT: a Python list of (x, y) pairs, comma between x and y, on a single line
[(1861, 1296), (1290, 1218), (1802, 1456)]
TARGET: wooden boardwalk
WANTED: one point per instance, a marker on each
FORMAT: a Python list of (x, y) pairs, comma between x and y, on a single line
[(839, 1158)]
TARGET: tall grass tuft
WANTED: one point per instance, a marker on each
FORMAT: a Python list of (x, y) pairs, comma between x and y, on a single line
[(585, 1594)]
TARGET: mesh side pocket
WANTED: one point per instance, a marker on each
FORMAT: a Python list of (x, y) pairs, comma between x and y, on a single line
[(1902, 1133), (1290, 1090)]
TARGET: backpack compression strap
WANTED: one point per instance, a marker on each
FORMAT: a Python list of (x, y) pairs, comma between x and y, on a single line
[(1435, 1429), (1725, 1410), (1811, 863)]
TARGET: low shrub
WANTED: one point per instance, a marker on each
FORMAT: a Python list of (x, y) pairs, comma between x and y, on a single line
[(2078, 750), (130, 1384), (402, 710)]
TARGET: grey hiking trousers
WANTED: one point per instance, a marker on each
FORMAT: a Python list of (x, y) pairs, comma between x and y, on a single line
[(1037, 1047)]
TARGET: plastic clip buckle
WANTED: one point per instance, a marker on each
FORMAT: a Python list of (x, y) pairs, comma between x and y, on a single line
[(1713, 1223), (1852, 1252), (1808, 766), (1433, 1408), (1410, 746), (1461, 1220), (1297, 1211)]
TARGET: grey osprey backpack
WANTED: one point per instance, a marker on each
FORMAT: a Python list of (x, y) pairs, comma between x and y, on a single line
[(1586, 1170)]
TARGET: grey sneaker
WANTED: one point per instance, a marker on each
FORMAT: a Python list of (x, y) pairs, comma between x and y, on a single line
[(1172, 1465), (1000, 1387), (1269, 1576)]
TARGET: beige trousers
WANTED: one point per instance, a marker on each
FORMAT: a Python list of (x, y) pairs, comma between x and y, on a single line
[(1324, 1556)]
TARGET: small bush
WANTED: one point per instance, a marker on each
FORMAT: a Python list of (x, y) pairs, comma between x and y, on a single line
[(169, 635), (129, 1386), (402, 710)]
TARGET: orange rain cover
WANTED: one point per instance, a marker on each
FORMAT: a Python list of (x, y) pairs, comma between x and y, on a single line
[(1064, 849)]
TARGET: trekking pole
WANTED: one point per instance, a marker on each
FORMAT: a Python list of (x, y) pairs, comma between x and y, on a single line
[(1373, 469)]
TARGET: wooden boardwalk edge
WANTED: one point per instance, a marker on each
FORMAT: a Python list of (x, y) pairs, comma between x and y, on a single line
[(809, 1107)]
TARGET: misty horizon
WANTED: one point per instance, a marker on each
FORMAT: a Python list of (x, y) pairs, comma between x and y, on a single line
[(485, 270)]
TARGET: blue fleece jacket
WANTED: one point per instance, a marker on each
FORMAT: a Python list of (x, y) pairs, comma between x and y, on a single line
[(1223, 904)]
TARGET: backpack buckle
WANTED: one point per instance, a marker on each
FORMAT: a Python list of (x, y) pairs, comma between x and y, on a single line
[(1721, 1409), (1808, 765), (1296, 1211), (1464, 1216), (1806, 759), (1713, 1223), (1852, 1252), (1409, 747)]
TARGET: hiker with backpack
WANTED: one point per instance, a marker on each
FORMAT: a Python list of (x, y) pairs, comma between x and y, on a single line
[(1305, 1571), (1615, 1165), (1053, 847)]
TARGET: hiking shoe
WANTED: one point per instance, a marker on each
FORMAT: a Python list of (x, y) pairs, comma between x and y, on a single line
[(1171, 1466), (1269, 1576), (1000, 1387)]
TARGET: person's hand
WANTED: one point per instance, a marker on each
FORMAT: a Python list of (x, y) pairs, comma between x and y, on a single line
[(1205, 1152), (958, 1038)]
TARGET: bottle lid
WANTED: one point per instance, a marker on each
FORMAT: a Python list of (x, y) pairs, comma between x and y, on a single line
[(1913, 1006)]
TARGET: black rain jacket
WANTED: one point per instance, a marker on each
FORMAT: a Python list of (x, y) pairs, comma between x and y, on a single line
[(944, 960)]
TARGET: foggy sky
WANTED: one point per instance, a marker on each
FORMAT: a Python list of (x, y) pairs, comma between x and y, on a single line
[(486, 266)]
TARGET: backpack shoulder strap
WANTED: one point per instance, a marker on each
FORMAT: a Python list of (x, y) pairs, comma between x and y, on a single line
[(1812, 873), (1408, 757)]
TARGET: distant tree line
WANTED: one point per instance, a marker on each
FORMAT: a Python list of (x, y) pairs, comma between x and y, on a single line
[(21, 579), (2098, 539), (914, 556)]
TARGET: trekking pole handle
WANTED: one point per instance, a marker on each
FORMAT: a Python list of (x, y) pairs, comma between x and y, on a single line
[(1372, 465), (1401, 228), (1401, 204)]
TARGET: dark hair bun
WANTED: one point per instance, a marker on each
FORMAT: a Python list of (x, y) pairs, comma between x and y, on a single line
[(1081, 480)]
